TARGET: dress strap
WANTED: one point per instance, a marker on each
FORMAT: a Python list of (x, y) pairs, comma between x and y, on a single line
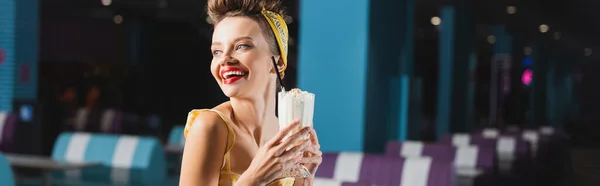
[(230, 133)]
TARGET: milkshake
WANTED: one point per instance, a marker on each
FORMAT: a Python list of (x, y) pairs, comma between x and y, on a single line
[(296, 105)]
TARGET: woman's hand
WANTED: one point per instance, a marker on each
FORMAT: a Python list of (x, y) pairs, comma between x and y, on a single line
[(313, 156), (277, 156)]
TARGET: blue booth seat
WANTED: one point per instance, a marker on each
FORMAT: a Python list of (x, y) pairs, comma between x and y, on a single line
[(6, 174), (175, 138), (125, 159), (176, 135)]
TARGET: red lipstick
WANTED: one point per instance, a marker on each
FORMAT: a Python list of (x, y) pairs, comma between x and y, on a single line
[(231, 75)]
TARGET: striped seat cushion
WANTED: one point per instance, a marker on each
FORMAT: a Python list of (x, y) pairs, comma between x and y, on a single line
[(176, 135), (126, 159), (382, 170)]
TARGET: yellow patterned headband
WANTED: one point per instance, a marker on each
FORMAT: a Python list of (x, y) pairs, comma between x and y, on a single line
[(280, 30)]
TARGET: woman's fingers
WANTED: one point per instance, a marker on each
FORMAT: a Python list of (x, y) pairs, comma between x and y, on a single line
[(294, 150), (290, 160), (312, 155), (313, 137), (283, 132), (294, 138), (299, 148), (313, 151), (311, 160)]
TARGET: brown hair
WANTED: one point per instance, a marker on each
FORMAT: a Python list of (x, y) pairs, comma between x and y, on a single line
[(220, 9)]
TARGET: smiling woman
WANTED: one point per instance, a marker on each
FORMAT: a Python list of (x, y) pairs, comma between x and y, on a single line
[(239, 142)]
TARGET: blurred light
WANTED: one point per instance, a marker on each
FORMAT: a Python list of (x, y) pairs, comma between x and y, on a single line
[(527, 76), (527, 62), (436, 20), (491, 39), (106, 2), (587, 51), (511, 10), (557, 35), (209, 21), (162, 4), (544, 28), (118, 19), (527, 51)]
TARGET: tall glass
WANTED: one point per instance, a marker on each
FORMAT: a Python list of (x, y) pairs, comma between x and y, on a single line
[(296, 105)]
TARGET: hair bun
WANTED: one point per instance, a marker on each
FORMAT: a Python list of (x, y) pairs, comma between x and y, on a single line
[(219, 9)]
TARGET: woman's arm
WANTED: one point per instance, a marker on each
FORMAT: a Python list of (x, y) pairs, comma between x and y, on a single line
[(204, 149)]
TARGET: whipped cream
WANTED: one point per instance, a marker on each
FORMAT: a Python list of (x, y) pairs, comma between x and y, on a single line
[(296, 105)]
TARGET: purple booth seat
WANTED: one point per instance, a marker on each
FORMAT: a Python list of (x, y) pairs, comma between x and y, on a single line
[(549, 154), (533, 137), (385, 170), (469, 157), (514, 159), (409, 149), (508, 149), (495, 133), (540, 143), (332, 182), (464, 139), (505, 145), (111, 121), (8, 123), (118, 123), (547, 130)]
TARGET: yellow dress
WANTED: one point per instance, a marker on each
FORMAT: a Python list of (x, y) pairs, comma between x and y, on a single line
[(228, 177)]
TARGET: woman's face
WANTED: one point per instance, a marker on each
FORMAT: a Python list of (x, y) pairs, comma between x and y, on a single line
[(241, 61)]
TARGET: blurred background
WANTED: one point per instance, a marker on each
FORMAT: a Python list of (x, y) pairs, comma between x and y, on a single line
[(80, 81)]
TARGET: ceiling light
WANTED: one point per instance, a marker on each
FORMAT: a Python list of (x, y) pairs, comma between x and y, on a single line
[(436, 20), (544, 28), (491, 39), (511, 10), (118, 19), (106, 2)]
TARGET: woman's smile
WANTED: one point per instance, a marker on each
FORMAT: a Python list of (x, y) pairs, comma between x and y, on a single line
[(231, 75)]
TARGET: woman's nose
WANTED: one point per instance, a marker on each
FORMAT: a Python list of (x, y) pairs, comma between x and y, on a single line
[(228, 60)]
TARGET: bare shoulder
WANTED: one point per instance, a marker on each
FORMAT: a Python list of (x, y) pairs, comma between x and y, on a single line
[(206, 138), (205, 123), (202, 120)]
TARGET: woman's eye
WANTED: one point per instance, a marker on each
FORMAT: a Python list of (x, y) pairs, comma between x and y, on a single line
[(217, 52), (242, 46)]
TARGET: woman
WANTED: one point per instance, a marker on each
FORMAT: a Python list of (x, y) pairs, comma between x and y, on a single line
[(239, 141)]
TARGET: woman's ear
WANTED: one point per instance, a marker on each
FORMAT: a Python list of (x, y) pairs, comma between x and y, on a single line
[(280, 64)]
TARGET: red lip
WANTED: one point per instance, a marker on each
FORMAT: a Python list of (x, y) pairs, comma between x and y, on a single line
[(231, 79)]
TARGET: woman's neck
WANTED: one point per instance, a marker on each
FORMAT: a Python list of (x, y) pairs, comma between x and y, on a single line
[(253, 113)]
